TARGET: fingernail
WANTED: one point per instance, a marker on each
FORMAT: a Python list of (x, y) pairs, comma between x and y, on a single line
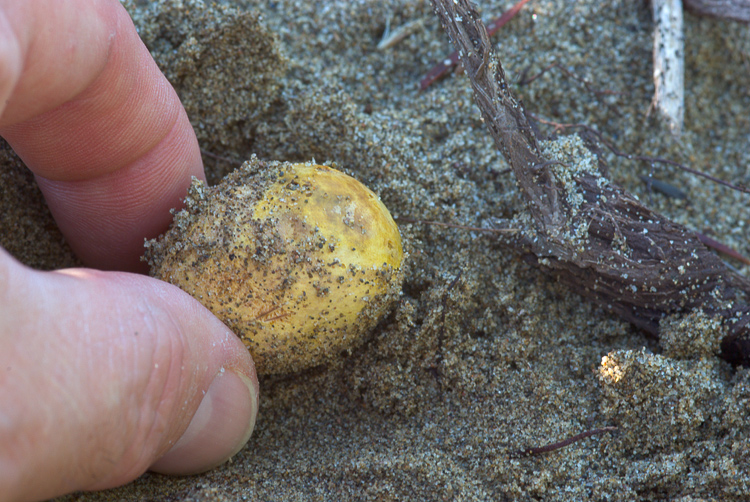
[(220, 428)]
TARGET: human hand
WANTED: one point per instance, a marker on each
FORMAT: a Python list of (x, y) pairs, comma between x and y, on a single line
[(101, 373)]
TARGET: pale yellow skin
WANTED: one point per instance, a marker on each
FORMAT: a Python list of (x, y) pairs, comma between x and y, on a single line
[(300, 275)]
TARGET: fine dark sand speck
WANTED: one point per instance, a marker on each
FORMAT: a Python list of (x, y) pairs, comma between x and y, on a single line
[(484, 355)]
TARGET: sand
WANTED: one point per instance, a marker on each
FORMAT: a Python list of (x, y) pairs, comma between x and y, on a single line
[(484, 355)]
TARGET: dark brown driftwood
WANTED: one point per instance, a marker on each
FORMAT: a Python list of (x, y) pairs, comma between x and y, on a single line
[(738, 10), (610, 247)]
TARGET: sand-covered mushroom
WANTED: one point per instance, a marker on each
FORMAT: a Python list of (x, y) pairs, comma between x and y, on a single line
[(300, 260)]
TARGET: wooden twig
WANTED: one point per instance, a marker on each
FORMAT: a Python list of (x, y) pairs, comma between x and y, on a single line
[(592, 235), (392, 37), (448, 63), (722, 248), (669, 66), (738, 10), (562, 444)]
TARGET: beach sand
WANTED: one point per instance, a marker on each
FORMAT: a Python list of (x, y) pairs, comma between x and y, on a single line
[(484, 355)]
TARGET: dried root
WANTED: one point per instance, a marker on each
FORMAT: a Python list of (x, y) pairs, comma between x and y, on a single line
[(591, 234)]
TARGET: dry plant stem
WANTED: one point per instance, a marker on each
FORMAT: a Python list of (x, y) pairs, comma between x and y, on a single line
[(610, 248), (669, 66), (644, 158), (503, 114), (722, 248), (449, 62), (391, 38), (562, 444), (738, 10)]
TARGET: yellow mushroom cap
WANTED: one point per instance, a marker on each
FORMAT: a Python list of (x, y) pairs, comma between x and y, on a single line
[(300, 260)]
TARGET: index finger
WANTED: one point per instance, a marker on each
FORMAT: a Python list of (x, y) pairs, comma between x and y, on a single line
[(96, 121)]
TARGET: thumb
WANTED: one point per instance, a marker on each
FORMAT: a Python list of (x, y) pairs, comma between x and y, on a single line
[(104, 375)]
